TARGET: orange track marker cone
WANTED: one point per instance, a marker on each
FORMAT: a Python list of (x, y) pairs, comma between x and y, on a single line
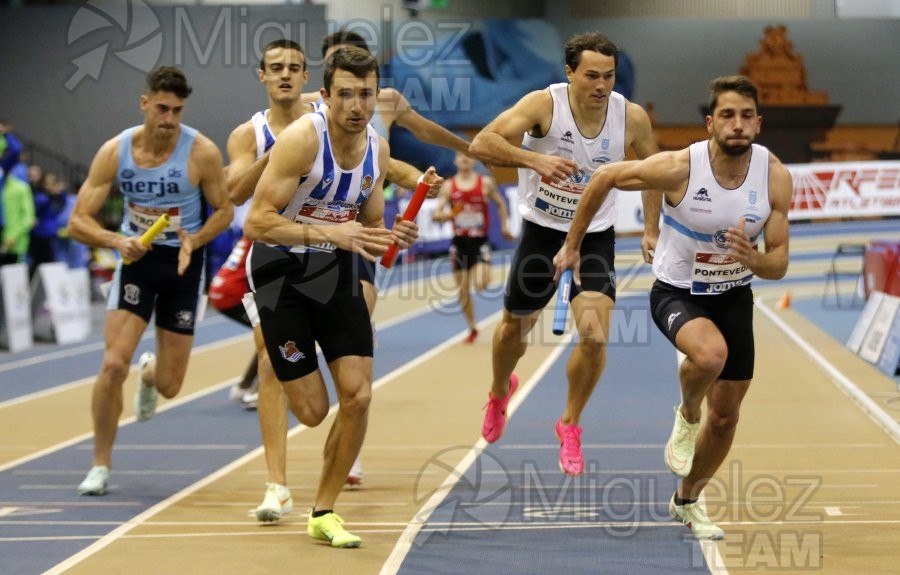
[(785, 301)]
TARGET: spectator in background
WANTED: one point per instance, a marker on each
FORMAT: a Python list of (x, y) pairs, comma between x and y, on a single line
[(35, 175), (75, 254), (49, 204), (18, 218), (10, 157)]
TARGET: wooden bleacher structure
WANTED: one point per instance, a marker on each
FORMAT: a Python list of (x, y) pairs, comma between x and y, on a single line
[(779, 73)]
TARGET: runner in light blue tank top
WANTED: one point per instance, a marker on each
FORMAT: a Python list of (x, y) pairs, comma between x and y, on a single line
[(149, 164), (150, 192)]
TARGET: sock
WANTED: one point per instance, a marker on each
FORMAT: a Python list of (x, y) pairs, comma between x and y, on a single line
[(679, 501), (320, 512)]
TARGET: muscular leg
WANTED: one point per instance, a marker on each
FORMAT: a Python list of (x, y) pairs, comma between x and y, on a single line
[(509, 344), (705, 350), (307, 402), (173, 350), (122, 332), (592, 312), (353, 381), (723, 403), (271, 409)]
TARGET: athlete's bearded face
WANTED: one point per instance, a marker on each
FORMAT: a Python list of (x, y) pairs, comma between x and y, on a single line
[(284, 74), (734, 123)]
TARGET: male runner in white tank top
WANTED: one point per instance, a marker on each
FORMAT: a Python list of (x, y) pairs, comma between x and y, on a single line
[(720, 196), (283, 71), (557, 137), (305, 287)]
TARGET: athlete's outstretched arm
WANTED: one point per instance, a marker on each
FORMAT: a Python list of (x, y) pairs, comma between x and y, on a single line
[(207, 158), (499, 143), (244, 169), (663, 171), (83, 225), (422, 128)]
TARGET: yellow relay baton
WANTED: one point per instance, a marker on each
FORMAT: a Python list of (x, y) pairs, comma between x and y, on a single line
[(147, 237)]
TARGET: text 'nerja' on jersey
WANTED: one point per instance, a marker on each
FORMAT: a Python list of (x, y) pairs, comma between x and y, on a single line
[(692, 250), (552, 204), (329, 195), (166, 189)]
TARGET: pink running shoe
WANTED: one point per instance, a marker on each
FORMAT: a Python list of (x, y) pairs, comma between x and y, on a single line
[(495, 416), (571, 461)]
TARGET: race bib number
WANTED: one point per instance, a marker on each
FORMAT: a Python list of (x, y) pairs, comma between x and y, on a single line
[(717, 273), (324, 215), (558, 200), (140, 218), (469, 220)]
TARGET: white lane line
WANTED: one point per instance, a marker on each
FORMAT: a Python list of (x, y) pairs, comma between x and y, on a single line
[(526, 446), (123, 529), (844, 383), (39, 539), (714, 560), (833, 511), (171, 404), (80, 472), (176, 447), (85, 348), (435, 305), (72, 503), (213, 346), (405, 542)]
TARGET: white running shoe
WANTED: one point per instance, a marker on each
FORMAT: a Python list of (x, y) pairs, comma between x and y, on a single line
[(146, 397), (236, 393), (95, 482), (354, 478), (276, 503), (679, 453), (694, 516)]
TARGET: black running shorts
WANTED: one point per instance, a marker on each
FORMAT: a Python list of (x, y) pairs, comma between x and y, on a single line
[(530, 285), (466, 252), (152, 283), (307, 298), (731, 312)]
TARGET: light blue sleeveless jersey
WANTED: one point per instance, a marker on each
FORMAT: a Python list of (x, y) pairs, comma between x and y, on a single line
[(150, 192)]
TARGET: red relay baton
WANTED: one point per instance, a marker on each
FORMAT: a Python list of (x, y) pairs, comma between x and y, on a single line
[(412, 210)]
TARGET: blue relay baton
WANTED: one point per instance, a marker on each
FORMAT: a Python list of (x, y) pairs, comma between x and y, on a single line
[(562, 302)]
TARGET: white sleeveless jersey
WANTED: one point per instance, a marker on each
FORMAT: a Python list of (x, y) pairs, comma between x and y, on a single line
[(264, 140), (329, 194), (553, 205), (691, 251)]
